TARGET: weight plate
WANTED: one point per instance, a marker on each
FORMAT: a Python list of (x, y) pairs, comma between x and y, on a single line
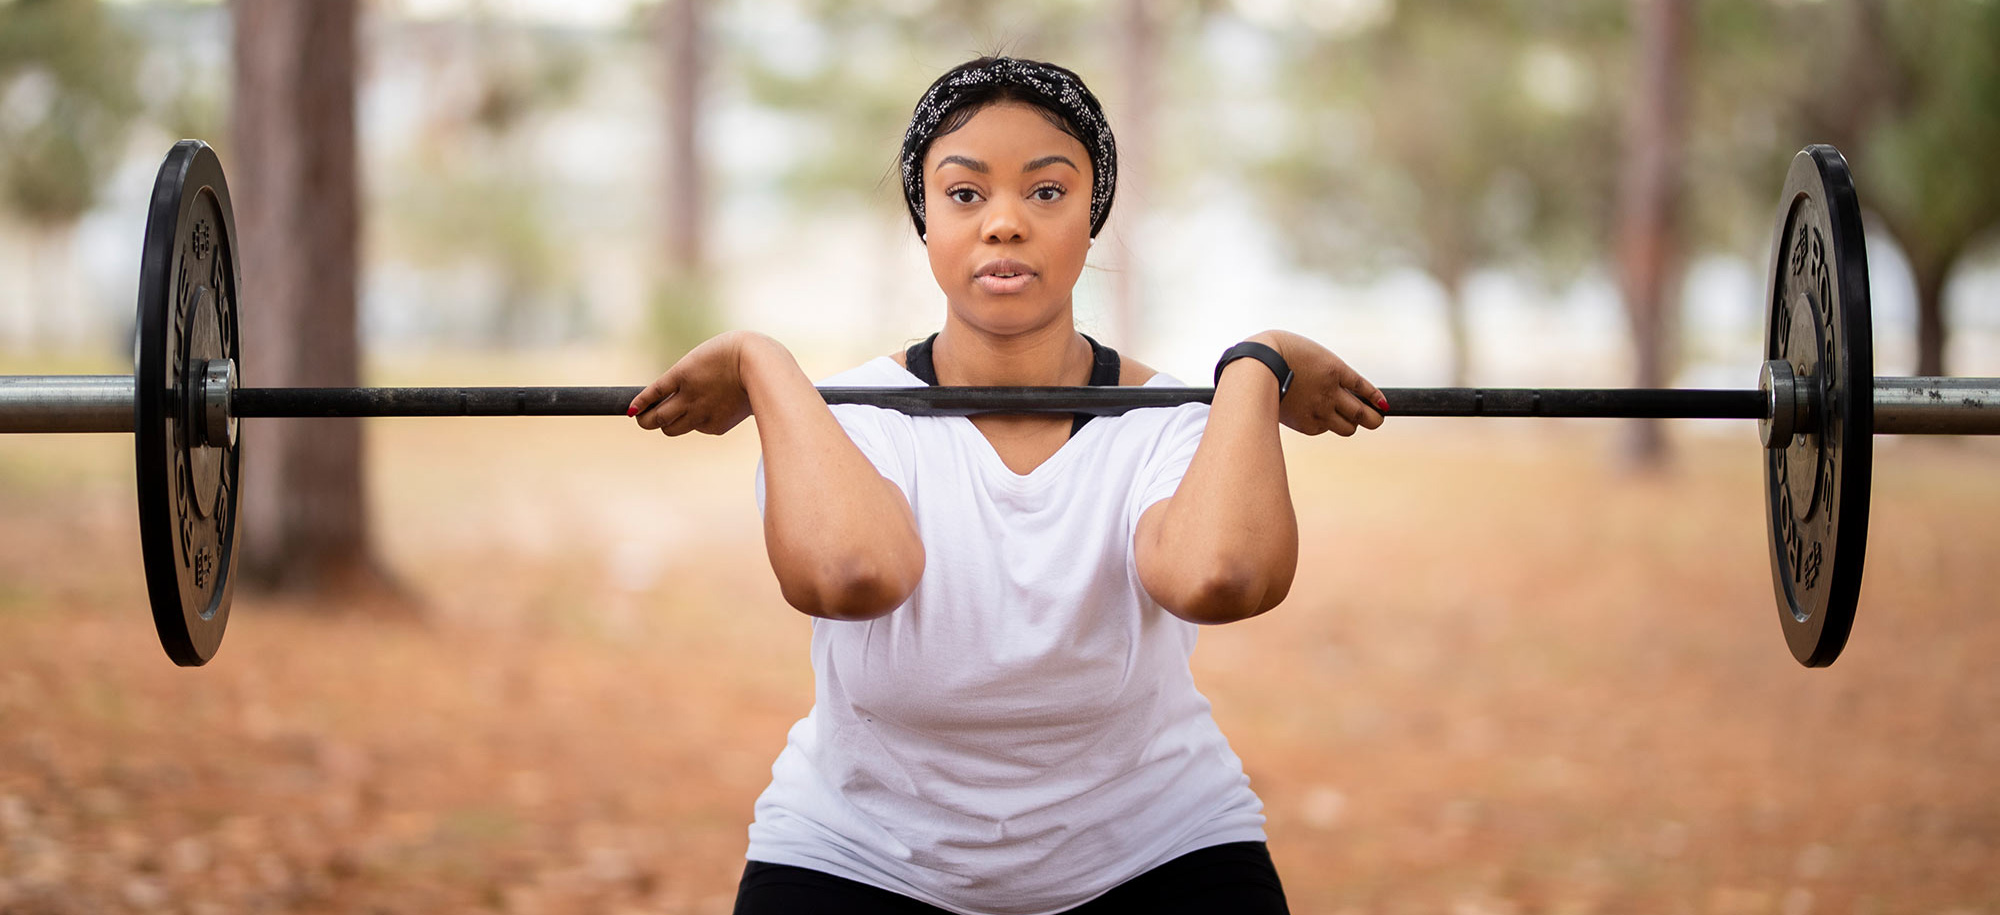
[(1816, 487), (188, 493)]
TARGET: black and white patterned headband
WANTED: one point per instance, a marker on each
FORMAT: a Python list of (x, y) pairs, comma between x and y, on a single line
[(1047, 84)]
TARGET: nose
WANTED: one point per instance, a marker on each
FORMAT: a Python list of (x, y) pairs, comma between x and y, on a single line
[(1003, 222)]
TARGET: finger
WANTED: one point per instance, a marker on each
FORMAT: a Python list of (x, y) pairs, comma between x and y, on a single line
[(1337, 424), (1369, 394), (1369, 418), (684, 422), (653, 415), (660, 414), (652, 395), (1357, 411)]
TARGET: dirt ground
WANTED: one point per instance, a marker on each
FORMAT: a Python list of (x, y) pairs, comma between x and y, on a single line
[(1511, 678)]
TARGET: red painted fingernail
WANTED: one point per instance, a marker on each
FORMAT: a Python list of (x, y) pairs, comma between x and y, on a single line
[(1382, 402), (632, 410)]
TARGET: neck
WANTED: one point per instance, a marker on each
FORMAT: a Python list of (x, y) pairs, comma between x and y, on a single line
[(1051, 354)]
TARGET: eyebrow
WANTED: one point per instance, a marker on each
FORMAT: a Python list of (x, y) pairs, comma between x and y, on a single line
[(983, 169)]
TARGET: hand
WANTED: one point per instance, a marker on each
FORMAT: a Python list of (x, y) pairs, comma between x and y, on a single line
[(1326, 394), (703, 392)]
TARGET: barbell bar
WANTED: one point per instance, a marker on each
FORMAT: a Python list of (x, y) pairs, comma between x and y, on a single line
[(1817, 403), (104, 403)]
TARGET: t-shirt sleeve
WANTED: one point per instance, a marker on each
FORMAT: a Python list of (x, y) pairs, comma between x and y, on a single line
[(1162, 473), (873, 431)]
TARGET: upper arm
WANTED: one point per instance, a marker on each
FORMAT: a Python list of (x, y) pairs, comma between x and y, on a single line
[(1147, 553), (839, 529), (1215, 539), (1153, 496), (890, 457)]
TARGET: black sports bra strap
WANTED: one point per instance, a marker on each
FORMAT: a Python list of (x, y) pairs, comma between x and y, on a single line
[(918, 357), (1104, 370), (1103, 364)]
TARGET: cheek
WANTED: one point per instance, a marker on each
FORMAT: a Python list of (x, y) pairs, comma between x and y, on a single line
[(1072, 234), (938, 232), (941, 269), (946, 247), (1071, 251)]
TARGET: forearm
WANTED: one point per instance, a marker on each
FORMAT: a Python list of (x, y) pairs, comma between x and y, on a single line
[(841, 538), (1226, 545)]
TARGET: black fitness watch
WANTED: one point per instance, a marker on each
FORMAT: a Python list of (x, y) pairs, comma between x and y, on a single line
[(1258, 351)]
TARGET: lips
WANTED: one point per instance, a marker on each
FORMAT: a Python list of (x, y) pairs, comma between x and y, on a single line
[(1003, 277)]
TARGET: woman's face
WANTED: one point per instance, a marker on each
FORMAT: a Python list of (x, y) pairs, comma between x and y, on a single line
[(1007, 218)]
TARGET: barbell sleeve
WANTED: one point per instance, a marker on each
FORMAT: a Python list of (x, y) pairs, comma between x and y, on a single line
[(65, 403), (1937, 406)]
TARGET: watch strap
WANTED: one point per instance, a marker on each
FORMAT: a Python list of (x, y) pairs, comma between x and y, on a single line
[(1262, 353)]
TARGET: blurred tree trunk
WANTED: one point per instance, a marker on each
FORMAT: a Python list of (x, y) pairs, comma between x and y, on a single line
[(1457, 330), (683, 304), (295, 192), (1893, 94), (1874, 86), (681, 28), (1140, 62), (1649, 201), (1447, 247), (1929, 270)]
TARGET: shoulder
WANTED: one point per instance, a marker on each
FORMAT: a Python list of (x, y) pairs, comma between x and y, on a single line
[(864, 420), (879, 372), (1181, 424), (1146, 376), (1132, 372), (882, 434), (1156, 429)]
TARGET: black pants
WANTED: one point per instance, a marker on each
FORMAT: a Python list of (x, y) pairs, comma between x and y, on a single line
[(1236, 878)]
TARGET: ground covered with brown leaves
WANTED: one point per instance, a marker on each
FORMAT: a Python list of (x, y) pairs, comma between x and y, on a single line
[(1511, 679)]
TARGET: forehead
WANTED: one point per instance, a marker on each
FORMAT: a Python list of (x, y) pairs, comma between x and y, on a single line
[(1007, 133)]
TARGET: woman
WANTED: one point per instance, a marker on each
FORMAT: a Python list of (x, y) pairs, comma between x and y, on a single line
[(1004, 720)]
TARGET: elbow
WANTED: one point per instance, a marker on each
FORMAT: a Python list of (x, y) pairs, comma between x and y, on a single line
[(1229, 594), (854, 588)]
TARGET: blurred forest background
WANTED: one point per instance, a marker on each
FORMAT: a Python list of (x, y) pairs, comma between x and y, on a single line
[(1500, 192)]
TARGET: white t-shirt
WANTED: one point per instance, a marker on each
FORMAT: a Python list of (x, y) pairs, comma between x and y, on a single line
[(1023, 734)]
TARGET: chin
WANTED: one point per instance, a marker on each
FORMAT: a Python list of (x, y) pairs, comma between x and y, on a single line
[(1009, 315)]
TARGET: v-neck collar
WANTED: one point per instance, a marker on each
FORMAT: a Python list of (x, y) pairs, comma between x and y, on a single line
[(990, 456)]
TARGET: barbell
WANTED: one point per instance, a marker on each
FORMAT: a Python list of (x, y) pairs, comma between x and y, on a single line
[(1817, 403)]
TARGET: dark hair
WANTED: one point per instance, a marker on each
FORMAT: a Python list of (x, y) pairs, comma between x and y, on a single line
[(1057, 93)]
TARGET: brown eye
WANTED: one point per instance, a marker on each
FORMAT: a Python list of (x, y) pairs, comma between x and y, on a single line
[(1047, 193), (962, 195)]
